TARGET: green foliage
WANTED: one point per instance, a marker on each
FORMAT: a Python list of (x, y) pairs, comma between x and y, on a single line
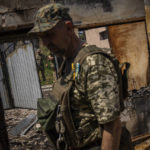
[(49, 69), (48, 75), (45, 51)]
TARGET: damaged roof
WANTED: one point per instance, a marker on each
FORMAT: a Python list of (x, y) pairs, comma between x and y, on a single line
[(18, 14)]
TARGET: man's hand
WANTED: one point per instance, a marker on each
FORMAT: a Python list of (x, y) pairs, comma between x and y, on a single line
[(111, 135), (50, 58)]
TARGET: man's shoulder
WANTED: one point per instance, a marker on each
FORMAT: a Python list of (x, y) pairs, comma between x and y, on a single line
[(94, 54), (89, 48), (97, 59)]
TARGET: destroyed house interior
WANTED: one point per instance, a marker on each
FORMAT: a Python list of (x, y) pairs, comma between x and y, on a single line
[(120, 26)]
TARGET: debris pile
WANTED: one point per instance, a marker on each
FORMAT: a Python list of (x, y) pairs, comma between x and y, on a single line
[(33, 139), (143, 92), (137, 111), (137, 117)]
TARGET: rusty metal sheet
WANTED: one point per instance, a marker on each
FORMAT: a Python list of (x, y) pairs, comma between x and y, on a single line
[(23, 75), (129, 44), (147, 11)]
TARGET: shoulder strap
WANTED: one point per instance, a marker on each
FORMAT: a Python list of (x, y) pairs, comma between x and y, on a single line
[(89, 50), (61, 68)]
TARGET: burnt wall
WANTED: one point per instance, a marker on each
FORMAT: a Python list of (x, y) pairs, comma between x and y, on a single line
[(19, 13), (22, 4)]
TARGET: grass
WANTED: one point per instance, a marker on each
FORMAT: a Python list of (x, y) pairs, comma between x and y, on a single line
[(49, 71)]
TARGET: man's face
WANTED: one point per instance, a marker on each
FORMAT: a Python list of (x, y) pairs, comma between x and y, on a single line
[(57, 39)]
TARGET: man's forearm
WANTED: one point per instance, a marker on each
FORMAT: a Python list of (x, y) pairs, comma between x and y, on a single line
[(111, 135)]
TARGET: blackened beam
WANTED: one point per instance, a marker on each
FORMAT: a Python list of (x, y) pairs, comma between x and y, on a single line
[(108, 23), (141, 137), (4, 143)]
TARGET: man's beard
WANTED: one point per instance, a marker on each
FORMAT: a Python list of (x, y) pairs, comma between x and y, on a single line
[(57, 51)]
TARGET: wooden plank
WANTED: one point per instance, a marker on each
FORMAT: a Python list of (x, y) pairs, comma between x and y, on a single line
[(129, 44), (108, 23), (143, 146), (16, 27), (141, 137), (147, 11)]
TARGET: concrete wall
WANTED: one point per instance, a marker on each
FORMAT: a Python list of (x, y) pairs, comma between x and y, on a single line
[(93, 37)]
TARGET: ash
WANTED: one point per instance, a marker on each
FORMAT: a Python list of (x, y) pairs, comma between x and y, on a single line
[(145, 91)]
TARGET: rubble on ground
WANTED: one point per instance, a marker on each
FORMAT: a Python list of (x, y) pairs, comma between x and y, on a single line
[(34, 138)]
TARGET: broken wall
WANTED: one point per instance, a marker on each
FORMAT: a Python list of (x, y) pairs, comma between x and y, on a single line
[(17, 14), (97, 36)]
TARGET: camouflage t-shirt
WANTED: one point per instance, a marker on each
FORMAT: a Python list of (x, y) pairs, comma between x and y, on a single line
[(95, 96)]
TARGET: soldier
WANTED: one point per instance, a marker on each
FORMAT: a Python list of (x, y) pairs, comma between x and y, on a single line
[(40, 63), (94, 98)]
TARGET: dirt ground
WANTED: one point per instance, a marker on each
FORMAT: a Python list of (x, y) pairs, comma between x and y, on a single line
[(33, 140)]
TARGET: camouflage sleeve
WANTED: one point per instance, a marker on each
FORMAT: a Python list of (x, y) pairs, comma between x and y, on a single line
[(102, 88)]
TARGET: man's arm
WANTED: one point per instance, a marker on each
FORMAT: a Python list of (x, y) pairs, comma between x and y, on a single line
[(111, 135), (103, 93)]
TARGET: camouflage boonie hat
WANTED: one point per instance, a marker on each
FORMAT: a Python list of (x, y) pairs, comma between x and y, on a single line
[(48, 16)]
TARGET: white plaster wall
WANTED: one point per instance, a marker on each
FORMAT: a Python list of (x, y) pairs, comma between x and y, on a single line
[(93, 37)]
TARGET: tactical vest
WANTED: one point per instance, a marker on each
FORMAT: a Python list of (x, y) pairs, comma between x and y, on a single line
[(64, 123), (67, 136)]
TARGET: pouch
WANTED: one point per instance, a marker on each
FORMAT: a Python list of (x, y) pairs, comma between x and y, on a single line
[(46, 114)]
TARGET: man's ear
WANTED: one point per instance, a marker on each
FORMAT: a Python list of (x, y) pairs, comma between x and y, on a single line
[(69, 25)]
